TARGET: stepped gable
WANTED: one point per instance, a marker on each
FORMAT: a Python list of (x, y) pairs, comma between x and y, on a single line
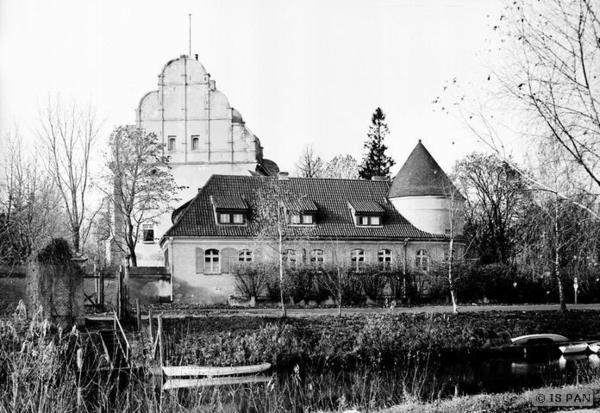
[(422, 176), (331, 197)]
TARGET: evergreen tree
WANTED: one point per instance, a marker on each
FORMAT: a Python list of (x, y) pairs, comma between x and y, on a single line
[(375, 161)]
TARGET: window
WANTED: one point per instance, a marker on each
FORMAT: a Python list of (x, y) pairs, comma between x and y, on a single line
[(422, 260), (289, 257), (307, 219), (148, 233), (231, 218), (316, 258), (172, 143), (365, 221), (195, 143), (211, 262), (302, 219), (245, 256), (385, 258), (358, 259)]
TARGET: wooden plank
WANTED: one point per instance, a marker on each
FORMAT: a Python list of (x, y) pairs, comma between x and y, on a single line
[(179, 371), (219, 381)]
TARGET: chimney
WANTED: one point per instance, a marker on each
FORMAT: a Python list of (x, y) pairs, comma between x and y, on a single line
[(284, 176), (379, 178), (196, 56)]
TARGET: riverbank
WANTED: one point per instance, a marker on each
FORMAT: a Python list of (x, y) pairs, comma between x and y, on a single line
[(233, 339), (494, 403)]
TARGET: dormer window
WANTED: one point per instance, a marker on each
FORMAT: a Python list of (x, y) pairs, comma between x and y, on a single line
[(307, 219), (229, 210), (366, 213), (304, 212)]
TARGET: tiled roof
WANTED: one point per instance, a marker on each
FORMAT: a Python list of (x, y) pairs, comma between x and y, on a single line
[(421, 175), (301, 205), (334, 219), (366, 207), (228, 202)]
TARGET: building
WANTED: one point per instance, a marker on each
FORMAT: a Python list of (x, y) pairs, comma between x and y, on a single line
[(202, 134), (409, 219)]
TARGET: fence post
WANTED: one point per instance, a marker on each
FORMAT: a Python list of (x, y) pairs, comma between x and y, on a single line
[(151, 325), (120, 292), (138, 314), (160, 340)]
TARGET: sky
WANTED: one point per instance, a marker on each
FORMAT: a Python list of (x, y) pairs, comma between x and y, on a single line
[(301, 72)]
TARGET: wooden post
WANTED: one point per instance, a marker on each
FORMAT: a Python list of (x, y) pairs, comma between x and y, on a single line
[(138, 314), (101, 290), (79, 389), (119, 293), (160, 340), (151, 325), (125, 286), (96, 285)]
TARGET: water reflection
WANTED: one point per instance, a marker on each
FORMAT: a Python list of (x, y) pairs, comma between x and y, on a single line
[(498, 374)]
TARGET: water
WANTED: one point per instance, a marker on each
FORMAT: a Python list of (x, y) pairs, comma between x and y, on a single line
[(514, 373)]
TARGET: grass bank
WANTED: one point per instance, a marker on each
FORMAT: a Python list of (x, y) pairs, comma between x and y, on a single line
[(368, 338)]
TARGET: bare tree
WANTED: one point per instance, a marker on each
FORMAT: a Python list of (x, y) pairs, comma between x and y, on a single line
[(68, 134), (496, 195), (138, 184), (545, 91), (309, 165), (341, 166), (273, 209), (29, 204)]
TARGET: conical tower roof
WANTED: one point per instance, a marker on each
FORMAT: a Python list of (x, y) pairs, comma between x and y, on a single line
[(422, 176)]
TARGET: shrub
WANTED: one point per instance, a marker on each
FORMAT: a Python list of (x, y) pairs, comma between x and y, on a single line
[(373, 280), (250, 279)]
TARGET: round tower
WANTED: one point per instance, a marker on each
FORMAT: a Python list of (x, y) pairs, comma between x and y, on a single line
[(426, 197)]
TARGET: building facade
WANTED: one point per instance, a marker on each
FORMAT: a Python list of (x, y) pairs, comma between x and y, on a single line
[(350, 222), (202, 135)]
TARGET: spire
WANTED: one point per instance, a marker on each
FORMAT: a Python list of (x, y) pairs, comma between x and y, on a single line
[(421, 176)]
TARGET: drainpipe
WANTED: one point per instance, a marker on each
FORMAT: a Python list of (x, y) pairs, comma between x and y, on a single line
[(404, 269)]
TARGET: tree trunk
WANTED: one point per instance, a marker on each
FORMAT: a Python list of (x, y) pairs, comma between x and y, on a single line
[(561, 292), (339, 293), (450, 281), (283, 309)]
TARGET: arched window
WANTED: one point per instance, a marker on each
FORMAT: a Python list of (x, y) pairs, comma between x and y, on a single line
[(316, 258), (245, 256), (384, 257), (195, 143), (358, 259), (172, 143), (211, 262), (422, 260), (290, 258)]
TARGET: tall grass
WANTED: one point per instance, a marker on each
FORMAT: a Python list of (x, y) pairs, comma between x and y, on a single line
[(46, 369)]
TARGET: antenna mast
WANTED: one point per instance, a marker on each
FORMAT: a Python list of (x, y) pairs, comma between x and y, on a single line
[(190, 36)]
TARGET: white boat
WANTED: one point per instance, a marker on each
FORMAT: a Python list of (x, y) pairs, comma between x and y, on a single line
[(539, 339), (574, 348), (594, 347), (182, 371)]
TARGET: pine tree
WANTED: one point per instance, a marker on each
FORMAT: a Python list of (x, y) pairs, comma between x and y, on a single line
[(375, 161)]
